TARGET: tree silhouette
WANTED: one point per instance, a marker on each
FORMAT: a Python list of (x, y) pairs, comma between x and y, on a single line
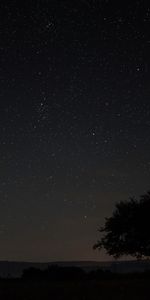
[(127, 231)]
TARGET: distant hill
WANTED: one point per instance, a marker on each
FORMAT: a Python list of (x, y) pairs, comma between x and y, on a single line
[(15, 269)]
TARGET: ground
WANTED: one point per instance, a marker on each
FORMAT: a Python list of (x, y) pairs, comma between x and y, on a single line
[(124, 289)]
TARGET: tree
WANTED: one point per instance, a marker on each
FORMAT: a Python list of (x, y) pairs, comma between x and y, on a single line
[(127, 231)]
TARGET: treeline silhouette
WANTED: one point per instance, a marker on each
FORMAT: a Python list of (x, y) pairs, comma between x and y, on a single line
[(56, 273)]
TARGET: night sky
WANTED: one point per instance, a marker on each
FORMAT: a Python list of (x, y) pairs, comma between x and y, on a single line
[(74, 122)]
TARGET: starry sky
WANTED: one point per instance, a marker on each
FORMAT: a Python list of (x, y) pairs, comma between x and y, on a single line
[(74, 122)]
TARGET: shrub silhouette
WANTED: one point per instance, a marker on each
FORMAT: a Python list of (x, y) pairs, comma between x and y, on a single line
[(127, 231), (53, 273)]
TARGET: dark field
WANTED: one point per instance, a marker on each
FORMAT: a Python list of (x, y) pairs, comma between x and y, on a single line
[(101, 289)]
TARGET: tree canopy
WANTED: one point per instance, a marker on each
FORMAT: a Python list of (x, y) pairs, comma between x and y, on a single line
[(127, 231)]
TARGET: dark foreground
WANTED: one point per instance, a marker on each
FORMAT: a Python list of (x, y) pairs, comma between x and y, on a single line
[(98, 289)]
